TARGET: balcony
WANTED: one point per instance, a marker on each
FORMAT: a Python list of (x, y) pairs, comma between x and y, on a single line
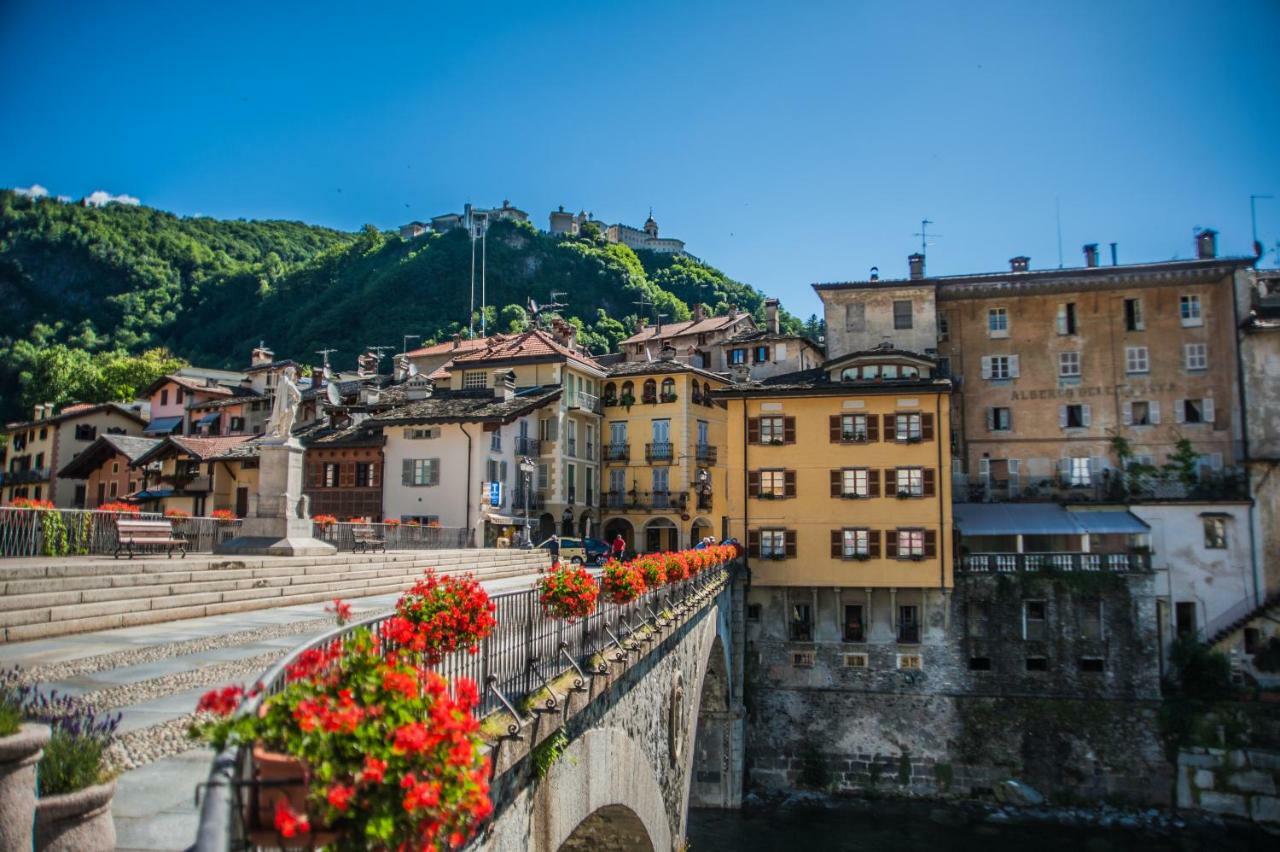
[(584, 402), (20, 477), (705, 453), (660, 452), (1109, 487), (1135, 561), (617, 452), (571, 448), (644, 501), (528, 446), (704, 502), (536, 500)]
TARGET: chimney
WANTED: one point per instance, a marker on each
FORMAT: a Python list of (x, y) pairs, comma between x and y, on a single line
[(667, 353), (1114, 262), (39, 411), (261, 355), (771, 315), (875, 273), (1091, 254), (915, 262), (699, 312), (1207, 244), (1019, 263), (504, 384)]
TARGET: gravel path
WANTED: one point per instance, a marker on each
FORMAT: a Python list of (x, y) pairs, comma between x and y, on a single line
[(219, 674), (140, 747)]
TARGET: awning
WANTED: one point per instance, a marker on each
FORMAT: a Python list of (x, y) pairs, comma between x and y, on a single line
[(1098, 523), (153, 494), (1014, 519), (211, 417), (508, 520), (162, 426)]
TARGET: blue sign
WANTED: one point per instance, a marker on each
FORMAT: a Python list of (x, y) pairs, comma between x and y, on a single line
[(495, 493)]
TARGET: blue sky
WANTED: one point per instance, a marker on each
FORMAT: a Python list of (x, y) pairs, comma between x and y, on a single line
[(787, 143)]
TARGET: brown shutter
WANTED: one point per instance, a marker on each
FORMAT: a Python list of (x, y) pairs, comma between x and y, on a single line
[(753, 483), (873, 428), (930, 544), (873, 543), (873, 482), (837, 546), (789, 483), (788, 430), (753, 542), (891, 544), (926, 427), (891, 427), (928, 482), (836, 485), (753, 430), (891, 482), (791, 543), (835, 433)]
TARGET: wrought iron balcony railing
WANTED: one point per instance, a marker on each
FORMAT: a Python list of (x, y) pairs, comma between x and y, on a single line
[(705, 453), (659, 452), (617, 452)]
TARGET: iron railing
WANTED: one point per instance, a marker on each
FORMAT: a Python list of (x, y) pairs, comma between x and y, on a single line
[(528, 446), (25, 532), (617, 452), (526, 651), (1013, 563), (658, 451), (1106, 487), (644, 501), (397, 536), (22, 477), (705, 453)]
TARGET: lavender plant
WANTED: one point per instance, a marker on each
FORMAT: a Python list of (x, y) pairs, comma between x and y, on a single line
[(10, 703)]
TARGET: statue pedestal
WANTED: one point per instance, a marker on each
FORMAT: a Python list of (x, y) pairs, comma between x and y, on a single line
[(276, 526)]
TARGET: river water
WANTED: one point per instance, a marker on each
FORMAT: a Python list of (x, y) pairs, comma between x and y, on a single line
[(907, 827)]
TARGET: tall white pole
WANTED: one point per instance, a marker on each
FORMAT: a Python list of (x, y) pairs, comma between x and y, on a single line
[(471, 315), (484, 301)]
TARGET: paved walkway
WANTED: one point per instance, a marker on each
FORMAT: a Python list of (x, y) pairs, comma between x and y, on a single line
[(153, 675)]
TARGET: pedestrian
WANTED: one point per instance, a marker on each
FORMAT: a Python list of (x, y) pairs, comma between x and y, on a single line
[(553, 545), (619, 547)]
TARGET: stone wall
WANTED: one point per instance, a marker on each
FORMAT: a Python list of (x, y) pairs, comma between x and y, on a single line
[(1238, 783)]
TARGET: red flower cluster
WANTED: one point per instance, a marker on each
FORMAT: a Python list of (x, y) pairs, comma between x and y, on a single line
[(340, 609), (222, 515), (289, 822), (176, 513), (312, 662), (568, 592), (621, 582), (440, 615), (120, 508), (222, 701), (324, 521), (29, 503)]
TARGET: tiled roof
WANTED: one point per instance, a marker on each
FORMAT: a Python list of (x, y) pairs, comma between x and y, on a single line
[(816, 380), (239, 397), (647, 368), (80, 410), (466, 406), (131, 446), (759, 334), (191, 384), (532, 344), (679, 329), (208, 448), (104, 448), (456, 346)]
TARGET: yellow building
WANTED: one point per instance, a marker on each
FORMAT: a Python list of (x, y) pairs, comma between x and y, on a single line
[(842, 495), (664, 455), (200, 475)]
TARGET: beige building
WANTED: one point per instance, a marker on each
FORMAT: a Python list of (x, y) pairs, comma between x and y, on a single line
[(645, 237), (695, 341)]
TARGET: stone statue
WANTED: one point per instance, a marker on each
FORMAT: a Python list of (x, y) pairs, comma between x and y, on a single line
[(285, 410)]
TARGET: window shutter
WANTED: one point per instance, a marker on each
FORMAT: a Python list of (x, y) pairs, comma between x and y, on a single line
[(1013, 366), (788, 430), (836, 485), (753, 542), (837, 547), (1126, 413), (1062, 319), (1064, 469), (834, 432), (1062, 417), (1096, 463), (929, 487), (986, 366), (347, 475), (1153, 410), (930, 544), (1179, 410), (1086, 416), (991, 419), (504, 471), (408, 434), (891, 544), (406, 472), (789, 483), (791, 543), (873, 428), (753, 430), (926, 427), (891, 427), (1207, 408), (433, 471), (873, 483), (873, 543), (753, 483), (891, 482)]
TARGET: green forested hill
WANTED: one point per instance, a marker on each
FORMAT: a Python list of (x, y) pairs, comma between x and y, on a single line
[(86, 288)]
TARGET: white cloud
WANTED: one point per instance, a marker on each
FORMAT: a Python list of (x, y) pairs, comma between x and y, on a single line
[(101, 198), (33, 191)]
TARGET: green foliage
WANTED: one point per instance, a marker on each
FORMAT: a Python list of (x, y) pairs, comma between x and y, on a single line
[(1200, 672), (10, 710), (71, 762), (53, 541), (1184, 462), (550, 750)]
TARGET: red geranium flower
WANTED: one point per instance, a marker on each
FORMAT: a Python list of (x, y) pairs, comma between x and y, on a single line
[(288, 822)]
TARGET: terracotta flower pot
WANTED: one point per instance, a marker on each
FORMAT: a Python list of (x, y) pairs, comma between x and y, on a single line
[(77, 822), (19, 754), (280, 777)]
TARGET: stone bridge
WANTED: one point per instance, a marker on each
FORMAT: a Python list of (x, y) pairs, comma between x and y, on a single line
[(633, 743)]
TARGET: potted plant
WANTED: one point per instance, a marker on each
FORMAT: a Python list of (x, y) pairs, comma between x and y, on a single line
[(627, 400), (223, 516), (668, 397), (621, 582), (176, 514), (568, 592), (904, 495), (20, 751), (653, 569), (440, 615)]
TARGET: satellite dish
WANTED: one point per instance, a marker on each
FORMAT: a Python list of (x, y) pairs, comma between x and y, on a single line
[(335, 398)]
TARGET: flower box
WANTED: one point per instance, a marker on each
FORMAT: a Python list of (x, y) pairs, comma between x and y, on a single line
[(904, 495)]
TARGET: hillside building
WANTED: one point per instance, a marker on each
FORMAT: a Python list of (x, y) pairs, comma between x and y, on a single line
[(645, 237)]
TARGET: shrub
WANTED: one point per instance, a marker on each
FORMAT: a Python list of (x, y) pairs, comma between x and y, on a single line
[(324, 521), (10, 703), (78, 740), (1200, 672)]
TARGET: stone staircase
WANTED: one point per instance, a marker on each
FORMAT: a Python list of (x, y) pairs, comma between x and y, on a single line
[(54, 597)]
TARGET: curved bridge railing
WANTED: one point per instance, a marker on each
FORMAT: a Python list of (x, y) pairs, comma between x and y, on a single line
[(526, 651)]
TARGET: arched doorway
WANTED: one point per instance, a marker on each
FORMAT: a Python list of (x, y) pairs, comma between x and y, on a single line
[(711, 785), (566, 521), (623, 526), (613, 828), (661, 534), (588, 525), (546, 526), (698, 530)]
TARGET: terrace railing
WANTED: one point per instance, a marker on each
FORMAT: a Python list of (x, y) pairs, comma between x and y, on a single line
[(525, 650), (1013, 563), (88, 532), (398, 536)]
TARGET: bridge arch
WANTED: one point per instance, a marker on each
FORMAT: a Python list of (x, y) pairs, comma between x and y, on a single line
[(613, 828)]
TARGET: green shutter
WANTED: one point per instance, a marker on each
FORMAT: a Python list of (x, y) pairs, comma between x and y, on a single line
[(406, 472)]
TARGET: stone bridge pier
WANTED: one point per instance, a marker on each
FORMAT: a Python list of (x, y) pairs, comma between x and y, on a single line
[(634, 747)]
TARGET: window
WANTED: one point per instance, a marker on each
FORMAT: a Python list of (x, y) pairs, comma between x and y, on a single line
[(855, 543), (998, 322), (1080, 471), (944, 367), (473, 379), (909, 624), (902, 313), (976, 616), (760, 355), (773, 544), (773, 483), (86, 432), (999, 419), (1037, 664), (998, 367), (1215, 533), (495, 441), (907, 427), (1139, 413), (1133, 315), (164, 396), (1189, 310), (853, 427), (1069, 365), (979, 664), (855, 661), (753, 612), (1076, 416), (800, 628), (1136, 359), (421, 472), (1033, 620), (910, 662), (910, 481), (331, 475), (737, 356), (544, 476), (944, 326), (854, 629), (772, 430), (237, 424), (1194, 410), (115, 489), (366, 476), (910, 543), (853, 482), (1067, 318), (1092, 665), (803, 659), (668, 390), (115, 468), (1185, 618), (1090, 618), (1195, 356)]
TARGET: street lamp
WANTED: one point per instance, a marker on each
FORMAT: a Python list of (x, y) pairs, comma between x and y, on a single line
[(527, 467)]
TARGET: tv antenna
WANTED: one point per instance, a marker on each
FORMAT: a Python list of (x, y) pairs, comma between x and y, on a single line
[(644, 304), (924, 235), (377, 351), (324, 354)]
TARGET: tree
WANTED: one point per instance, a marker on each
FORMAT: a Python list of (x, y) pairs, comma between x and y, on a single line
[(513, 318), (123, 376)]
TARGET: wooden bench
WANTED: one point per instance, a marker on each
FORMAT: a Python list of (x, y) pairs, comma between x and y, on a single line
[(131, 533), (367, 539)]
